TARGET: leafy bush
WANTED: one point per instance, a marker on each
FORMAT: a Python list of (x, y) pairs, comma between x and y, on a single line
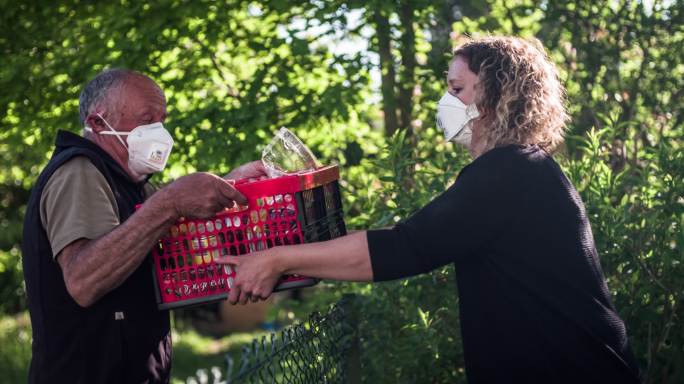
[(409, 328), (637, 215)]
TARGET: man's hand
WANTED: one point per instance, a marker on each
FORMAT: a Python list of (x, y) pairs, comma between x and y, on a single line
[(256, 275), (252, 170), (199, 195)]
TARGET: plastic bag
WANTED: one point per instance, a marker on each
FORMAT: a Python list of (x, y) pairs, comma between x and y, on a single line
[(286, 154)]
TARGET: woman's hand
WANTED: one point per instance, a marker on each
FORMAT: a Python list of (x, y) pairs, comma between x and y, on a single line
[(345, 258), (256, 275), (251, 170)]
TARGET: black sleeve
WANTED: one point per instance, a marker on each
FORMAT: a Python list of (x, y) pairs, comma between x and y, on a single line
[(456, 224)]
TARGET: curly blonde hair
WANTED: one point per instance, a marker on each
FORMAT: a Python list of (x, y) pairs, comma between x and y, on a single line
[(519, 94)]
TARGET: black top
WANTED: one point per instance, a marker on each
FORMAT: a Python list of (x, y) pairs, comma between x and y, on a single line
[(534, 305), (122, 338)]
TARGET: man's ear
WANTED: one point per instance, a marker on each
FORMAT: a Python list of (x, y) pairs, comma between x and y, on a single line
[(95, 123)]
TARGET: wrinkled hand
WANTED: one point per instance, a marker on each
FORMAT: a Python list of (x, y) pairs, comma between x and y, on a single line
[(251, 170), (256, 276), (200, 195)]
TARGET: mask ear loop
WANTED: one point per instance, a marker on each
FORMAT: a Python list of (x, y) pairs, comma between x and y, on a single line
[(114, 132), (472, 112)]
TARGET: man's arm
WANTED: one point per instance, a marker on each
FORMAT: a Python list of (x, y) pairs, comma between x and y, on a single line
[(92, 268)]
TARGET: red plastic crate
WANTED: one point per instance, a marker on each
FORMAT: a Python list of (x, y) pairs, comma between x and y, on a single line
[(287, 210)]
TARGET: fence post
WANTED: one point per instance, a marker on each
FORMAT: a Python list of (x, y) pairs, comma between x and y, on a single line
[(352, 362)]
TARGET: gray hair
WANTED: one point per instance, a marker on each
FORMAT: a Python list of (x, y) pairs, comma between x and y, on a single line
[(98, 89)]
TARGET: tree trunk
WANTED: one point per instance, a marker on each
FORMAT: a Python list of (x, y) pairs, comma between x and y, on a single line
[(440, 40), (389, 100), (408, 59)]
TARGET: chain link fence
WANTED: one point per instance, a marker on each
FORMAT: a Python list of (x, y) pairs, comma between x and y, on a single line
[(323, 349)]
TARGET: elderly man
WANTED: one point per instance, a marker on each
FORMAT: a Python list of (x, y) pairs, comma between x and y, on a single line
[(90, 293)]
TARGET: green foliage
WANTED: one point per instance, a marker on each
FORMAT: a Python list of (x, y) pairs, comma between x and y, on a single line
[(409, 328), (15, 354), (638, 220), (11, 281), (235, 71)]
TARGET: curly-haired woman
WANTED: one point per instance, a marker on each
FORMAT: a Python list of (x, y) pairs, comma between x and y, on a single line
[(534, 304)]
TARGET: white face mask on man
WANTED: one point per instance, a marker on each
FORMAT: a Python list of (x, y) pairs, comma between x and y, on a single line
[(455, 119), (149, 146)]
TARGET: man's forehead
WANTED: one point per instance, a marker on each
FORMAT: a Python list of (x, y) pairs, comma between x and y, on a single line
[(145, 90), (144, 84), (140, 96)]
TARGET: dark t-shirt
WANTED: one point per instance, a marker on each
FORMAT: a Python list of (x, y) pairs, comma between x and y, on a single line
[(534, 304)]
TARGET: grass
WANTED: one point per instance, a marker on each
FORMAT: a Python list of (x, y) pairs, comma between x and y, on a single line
[(191, 350)]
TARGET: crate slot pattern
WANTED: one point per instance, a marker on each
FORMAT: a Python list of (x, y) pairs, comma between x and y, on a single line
[(183, 260)]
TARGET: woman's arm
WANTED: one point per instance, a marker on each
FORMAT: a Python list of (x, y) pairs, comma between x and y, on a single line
[(345, 258), (456, 225)]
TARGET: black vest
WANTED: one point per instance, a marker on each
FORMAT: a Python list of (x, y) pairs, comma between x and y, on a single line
[(72, 344)]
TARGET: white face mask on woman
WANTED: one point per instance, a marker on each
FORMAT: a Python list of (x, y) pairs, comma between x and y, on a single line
[(149, 146), (455, 119)]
